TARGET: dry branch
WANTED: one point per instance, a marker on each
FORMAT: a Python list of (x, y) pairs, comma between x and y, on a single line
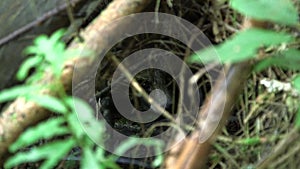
[(21, 114)]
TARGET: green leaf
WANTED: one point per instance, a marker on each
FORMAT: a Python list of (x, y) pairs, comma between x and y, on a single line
[(240, 47), (58, 61), (62, 148), (298, 118), (106, 162), (159, 159), (32, 50), (41, 41), (94, 129), (57, 53), (289, 60), (250, 141), (51, 152), (296, 82), (75, 125), (89, 160), (55, 47), (278, 11), (57, 35), (51, 53), (45, 130), (49, 102), (17, 91), (27, 65)]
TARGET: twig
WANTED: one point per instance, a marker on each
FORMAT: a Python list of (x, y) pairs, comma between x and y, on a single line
[(140, 89), (36, 22)]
